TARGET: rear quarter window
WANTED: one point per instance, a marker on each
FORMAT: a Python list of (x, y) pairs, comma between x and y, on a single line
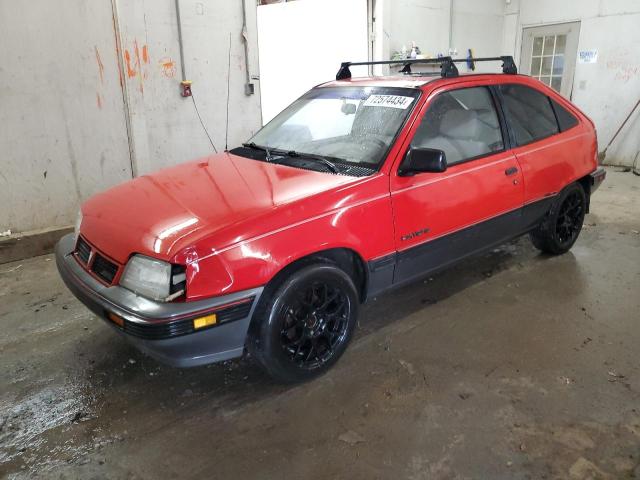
[(566, 119), (529, 113)]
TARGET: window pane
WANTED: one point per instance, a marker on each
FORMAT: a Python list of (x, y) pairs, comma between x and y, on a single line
[(556, 83), (546, 65), (561, 41), (529, 113), (546, 80), (535, 66), (565, 118), (537, 46), (462, 123), (558, 64), (355, 124), (548, 45)]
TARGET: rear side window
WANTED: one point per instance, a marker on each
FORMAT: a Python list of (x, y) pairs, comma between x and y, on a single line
[(566, 120), (463, 123), (529, 113)]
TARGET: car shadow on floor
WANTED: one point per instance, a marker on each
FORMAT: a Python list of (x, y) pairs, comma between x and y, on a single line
[(126, 377)]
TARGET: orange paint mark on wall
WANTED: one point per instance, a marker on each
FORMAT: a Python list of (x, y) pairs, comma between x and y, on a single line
[(168, 67), (145, 54), (99, 100), (100, 65), (127, 60), (134, 63), (136, 52)]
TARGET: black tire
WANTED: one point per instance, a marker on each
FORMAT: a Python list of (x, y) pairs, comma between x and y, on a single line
[(562, 225), (304, 326)]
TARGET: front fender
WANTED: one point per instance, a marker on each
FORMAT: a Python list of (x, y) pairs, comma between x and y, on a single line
[(365, 227)]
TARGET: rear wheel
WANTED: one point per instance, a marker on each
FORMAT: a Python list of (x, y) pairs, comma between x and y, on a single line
[(306, 324), (560, 229)]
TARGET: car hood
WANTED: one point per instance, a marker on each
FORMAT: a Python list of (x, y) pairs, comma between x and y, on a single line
[(162, 213)]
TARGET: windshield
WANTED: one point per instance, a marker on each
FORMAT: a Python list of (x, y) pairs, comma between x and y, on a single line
[(356, 125)]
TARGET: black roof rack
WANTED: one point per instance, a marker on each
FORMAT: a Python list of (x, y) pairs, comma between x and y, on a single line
[(447, 65)]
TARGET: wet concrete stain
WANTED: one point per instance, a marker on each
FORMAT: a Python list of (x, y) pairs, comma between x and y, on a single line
[(529, 372)]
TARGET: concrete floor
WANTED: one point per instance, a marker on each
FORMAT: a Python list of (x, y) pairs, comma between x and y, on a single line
[(513, 365)]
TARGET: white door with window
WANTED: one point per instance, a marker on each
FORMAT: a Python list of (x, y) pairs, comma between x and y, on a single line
[(549, 54)]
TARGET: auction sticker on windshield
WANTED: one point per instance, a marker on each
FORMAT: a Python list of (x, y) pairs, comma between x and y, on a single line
[(393, 101)]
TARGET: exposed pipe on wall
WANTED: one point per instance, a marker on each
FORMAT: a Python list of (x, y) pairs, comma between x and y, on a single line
[(450, 26), (124, 88), (180, 43), (248, 86)]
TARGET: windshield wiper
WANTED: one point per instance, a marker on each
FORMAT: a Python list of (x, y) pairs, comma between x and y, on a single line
[(292, 153), (266, 150), (311, 156)]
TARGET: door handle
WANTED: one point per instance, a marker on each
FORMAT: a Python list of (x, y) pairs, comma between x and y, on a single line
[(511, 171)]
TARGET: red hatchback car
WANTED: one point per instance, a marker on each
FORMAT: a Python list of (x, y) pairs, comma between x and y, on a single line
[(359, 186)]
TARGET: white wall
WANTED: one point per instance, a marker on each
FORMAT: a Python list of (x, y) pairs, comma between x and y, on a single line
[(63, 118), (608, 89), (165, 127), (62, 130), (475, 24)]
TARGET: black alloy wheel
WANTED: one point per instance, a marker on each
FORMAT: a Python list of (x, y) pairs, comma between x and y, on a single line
[(315, 323), (304, 323), (562, 225), (570, 217)]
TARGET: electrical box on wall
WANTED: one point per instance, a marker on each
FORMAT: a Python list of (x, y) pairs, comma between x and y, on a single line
[(186, 88)]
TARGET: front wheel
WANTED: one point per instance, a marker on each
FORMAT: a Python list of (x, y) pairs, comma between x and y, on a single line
[(560, 229), (306, 324)]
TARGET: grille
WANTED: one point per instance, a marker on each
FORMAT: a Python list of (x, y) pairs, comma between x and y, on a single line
[(104, 269), (183, 327), (160, 331), (234, 313), (83, 250)]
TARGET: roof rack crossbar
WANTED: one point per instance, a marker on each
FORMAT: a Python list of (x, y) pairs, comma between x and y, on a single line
[(508, 65), (447, 65)]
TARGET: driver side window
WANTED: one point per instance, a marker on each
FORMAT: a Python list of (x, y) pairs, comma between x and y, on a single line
[(463, 123)]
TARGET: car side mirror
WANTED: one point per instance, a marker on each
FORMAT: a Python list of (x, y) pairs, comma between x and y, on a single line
[(421, 160), (348, 108)]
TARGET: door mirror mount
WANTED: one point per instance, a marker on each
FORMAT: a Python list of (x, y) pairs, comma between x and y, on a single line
[(422, 160)]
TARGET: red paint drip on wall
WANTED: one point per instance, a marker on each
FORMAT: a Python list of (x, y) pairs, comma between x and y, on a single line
[(136, 51), (100, 65)]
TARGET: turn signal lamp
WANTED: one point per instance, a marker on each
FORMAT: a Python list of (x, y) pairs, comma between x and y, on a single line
[(205, 321), (116, 319)]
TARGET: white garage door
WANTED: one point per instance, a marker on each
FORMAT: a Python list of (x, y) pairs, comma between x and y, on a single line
[(302, 43)]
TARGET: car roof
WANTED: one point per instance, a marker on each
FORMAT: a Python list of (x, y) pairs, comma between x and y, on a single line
[(403, 81)]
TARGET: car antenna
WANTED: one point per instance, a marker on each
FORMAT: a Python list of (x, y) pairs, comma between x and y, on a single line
[(226, 133)]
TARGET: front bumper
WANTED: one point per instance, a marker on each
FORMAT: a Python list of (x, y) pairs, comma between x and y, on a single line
[(163, 330)]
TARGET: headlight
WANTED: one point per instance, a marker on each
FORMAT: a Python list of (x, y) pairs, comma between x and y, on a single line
[(76, 229), (153, 278)]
